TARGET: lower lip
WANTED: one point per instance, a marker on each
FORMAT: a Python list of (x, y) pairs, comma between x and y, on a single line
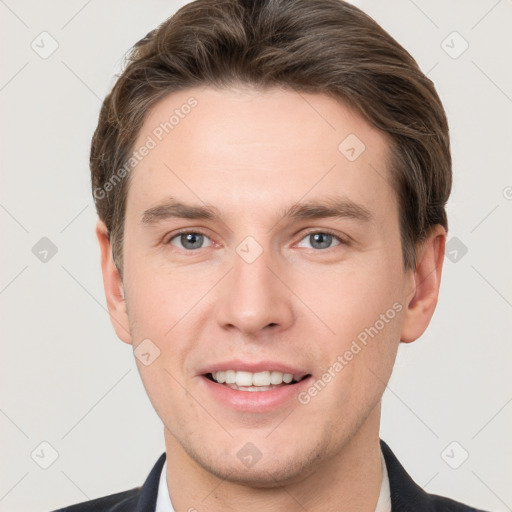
[(255, 401)]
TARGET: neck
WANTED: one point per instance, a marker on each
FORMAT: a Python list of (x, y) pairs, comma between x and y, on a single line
[(349, 480)]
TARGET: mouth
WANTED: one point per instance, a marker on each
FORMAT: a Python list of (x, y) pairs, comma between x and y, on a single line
[(262, 381), (253, 386)]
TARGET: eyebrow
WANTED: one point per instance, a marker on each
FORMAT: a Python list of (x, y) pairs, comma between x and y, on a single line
[(329, 207)]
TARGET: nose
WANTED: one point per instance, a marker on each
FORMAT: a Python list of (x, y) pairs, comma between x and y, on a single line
[(255, 297)]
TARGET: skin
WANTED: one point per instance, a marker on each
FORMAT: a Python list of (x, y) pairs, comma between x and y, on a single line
[(251, 154)]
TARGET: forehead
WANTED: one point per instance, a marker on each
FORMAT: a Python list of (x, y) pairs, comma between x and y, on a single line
[(243, 147)]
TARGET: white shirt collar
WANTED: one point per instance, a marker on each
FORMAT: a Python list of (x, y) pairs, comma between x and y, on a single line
[(164, 504), (163, 501), (384, 502)]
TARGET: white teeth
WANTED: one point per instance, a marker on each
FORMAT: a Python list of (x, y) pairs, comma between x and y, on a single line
[(261, 379), (243, 379), (251, 388), (258, 379), (287, 377), (276, 378), (230, 376)]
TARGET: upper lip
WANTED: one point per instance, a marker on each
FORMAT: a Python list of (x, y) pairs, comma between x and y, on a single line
[(253, 367)]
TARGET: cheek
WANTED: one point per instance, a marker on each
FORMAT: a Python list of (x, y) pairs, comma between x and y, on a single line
[(363, 309), (168, 397), (354, 299), (158, 298), (359, 363), (162, 305)]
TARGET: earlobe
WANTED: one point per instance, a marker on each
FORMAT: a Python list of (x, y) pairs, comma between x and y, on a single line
[(113, 286), (426, 278)]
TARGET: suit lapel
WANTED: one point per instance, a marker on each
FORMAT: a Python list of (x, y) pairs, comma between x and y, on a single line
[(406, 495), (149, 491)]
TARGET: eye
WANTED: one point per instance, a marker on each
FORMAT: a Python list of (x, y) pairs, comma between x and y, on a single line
[(189, 240), (322, 239), (194, 240)]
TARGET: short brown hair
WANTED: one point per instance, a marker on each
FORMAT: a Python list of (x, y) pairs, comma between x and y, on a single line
[(311, 46)]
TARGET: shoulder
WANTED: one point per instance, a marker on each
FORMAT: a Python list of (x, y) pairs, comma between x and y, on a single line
[(442, 504), (138, 499), (125, 501), (407, 496)]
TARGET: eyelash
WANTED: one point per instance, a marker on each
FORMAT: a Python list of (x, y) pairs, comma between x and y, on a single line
[(334, 234)]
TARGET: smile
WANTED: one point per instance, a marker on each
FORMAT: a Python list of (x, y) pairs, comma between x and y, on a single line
[(257, 392), (259, 381)]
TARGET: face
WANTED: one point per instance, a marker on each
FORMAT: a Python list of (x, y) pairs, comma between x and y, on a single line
[(262, 246)]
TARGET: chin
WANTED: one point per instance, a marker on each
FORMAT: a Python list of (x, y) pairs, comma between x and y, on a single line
[(273, 468)]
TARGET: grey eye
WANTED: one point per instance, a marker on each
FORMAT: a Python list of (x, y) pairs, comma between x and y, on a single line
[(189, 241), (321, 240)]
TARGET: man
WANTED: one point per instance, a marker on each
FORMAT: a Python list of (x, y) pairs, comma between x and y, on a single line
[(271, 180)]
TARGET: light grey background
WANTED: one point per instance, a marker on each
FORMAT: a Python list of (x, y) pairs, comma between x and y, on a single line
[(68, 381)]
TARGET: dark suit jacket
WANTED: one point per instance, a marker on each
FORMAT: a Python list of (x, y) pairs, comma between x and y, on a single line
[(406, 496)]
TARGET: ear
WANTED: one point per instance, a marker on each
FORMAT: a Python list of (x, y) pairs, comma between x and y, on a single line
[(113, 286), (426, 279)]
